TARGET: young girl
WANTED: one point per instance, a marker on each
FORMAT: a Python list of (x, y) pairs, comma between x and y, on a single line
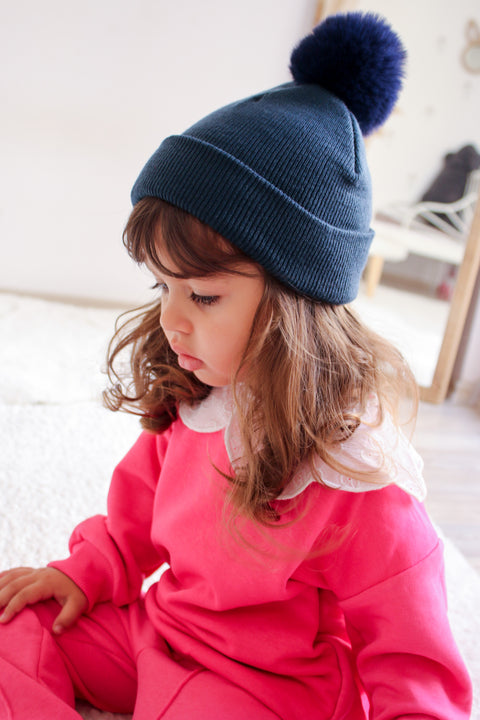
[(302, 577)]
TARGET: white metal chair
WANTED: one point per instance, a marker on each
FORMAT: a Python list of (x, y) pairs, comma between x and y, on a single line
[(430, 229), (453, 218)]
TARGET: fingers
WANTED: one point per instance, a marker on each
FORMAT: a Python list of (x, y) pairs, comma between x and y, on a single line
[(7, 575), (26, 586), (70, 612), (11, 582), (18, 588)]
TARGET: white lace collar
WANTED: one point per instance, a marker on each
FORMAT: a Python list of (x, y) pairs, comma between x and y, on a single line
[(365, 449), (210, 415)]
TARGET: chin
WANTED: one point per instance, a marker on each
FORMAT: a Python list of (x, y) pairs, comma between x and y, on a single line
[(211, 378)]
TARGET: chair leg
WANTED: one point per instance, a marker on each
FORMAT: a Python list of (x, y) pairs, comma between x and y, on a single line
[(373, 273)]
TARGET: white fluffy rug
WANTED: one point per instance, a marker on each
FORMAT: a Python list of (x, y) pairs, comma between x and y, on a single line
[(59, 446)]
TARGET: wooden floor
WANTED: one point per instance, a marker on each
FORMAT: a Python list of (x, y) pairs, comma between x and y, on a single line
[(448, 438)]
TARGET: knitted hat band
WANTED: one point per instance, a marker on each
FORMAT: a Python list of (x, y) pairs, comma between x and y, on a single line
[(207, 182)]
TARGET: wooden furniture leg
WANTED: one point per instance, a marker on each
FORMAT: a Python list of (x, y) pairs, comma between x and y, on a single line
[(373, 273)]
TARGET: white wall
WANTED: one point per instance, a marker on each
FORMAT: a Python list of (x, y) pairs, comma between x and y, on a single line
[(89, 89), (439, 108)]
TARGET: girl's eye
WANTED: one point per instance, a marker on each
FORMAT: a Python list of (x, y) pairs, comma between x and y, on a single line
[(204, 299), (198, 299)]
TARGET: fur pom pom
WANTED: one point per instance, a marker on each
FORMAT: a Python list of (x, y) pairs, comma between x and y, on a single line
[(358, 58)]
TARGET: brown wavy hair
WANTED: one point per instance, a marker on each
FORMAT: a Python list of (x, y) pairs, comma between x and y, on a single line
[(308, 371)]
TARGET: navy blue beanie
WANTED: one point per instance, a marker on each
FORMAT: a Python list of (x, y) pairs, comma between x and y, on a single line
[(283, 175)]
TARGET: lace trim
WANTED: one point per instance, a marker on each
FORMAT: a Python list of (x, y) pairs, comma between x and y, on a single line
[(212, 414), (384, 448)]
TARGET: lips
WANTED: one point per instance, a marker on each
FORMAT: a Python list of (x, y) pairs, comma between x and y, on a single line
[(187, 362)]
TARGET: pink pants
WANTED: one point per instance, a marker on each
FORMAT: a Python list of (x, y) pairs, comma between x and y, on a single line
[(114, 659)]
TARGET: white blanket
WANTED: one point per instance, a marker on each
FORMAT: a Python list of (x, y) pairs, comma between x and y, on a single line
[(59, 445)]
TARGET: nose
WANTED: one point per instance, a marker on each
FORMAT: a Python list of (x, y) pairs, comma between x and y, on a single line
[(174, 315)]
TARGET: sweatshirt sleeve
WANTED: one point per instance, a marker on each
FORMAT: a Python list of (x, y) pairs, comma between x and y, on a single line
[(111, 555), (389, 582), (407, 659)]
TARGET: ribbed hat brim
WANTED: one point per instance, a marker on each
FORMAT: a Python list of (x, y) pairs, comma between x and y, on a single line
[(309, 255)]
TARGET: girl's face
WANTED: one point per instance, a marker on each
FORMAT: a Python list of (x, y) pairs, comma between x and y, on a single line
[(207, 320)]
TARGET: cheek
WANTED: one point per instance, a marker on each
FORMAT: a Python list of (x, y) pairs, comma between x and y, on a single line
[(225, 346), (237, 336)]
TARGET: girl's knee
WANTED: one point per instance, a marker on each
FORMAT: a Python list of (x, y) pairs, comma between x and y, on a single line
[(90, 660), (28, 627), (27, 645)]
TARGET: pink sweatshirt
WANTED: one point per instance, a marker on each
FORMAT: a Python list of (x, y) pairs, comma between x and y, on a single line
[(318, 618)]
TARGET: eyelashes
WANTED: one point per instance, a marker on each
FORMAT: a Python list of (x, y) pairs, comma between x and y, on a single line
[(194, 297), (204, 299)]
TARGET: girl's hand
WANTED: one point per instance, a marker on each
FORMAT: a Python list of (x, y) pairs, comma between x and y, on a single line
[(25, 586)]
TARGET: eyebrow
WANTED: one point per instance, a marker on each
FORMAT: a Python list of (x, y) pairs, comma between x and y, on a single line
[(221, 277)]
